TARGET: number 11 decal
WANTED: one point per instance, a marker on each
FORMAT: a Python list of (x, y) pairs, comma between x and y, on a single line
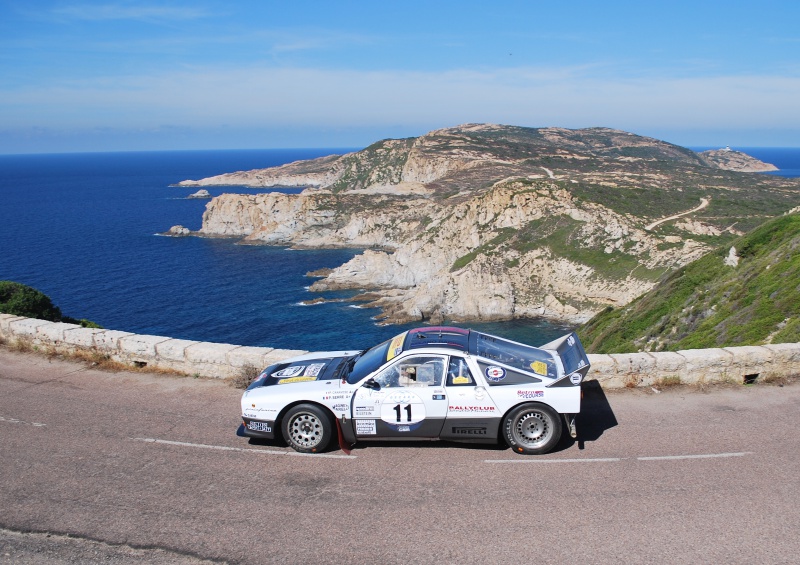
[(407, 409)]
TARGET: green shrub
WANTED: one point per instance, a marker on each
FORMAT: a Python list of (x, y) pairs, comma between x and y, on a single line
[(21, 300)]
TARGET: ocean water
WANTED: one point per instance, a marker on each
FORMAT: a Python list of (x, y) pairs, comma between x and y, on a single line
[(82, 228)]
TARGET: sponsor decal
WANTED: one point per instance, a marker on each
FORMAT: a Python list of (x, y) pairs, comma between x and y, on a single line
[(296, 380), (289, 372), (461, 380), (365, 411), (259, 426), (249, 415), (336, 396), (340, 407), (472, 409), (575, 378), (495, 373), (470, 431), (530, 394), (314, 369), (396, 346), (438, 397), (571, 340), (539, 367), (365, 427), (403, 428)]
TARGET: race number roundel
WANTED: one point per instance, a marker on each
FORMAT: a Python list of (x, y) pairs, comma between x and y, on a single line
[(402, 407), (495, 374)]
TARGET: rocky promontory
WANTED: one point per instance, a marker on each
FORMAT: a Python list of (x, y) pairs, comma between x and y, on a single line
[(732, 160), (493, 222)]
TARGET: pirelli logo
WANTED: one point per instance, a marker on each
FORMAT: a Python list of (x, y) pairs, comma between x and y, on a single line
[(469, 431)]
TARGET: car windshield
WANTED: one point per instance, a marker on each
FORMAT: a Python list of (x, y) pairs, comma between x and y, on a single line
[(368, 362)]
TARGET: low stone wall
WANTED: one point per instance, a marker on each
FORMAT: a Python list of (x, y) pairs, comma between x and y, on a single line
[(220, 360)]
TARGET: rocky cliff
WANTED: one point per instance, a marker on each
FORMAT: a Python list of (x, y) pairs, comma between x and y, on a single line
[(497, 222)]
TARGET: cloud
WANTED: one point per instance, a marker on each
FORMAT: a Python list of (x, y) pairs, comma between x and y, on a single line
[(125, 11), (306, 98)]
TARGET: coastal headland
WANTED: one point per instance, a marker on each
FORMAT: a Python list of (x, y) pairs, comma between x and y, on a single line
[(489, 222)]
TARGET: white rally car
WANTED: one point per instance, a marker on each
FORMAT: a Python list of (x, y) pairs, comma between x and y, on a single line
[(427, 383)]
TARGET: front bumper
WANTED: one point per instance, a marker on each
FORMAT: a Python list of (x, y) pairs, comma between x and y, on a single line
[(258, 428)]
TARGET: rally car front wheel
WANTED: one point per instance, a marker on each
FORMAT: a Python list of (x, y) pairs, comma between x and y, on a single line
[(307, 428), (532, 429)]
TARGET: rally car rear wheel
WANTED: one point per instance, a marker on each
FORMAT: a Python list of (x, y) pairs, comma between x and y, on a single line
[(307, 428), (532, 429)]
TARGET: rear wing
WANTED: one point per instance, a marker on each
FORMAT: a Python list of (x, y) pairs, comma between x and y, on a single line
[(573, 358)]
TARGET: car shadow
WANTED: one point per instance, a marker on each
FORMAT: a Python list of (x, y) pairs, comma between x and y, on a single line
[(596, 415)]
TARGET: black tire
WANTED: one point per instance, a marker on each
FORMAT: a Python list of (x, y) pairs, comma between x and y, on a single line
[(532, 429), (307, 428)]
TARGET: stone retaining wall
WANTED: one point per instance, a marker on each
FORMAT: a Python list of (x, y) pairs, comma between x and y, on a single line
[(220, 360)]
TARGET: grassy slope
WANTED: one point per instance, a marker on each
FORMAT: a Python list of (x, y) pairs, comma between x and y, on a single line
[(710, 304)]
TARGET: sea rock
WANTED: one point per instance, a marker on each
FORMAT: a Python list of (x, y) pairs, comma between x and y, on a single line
[(202, 193), (178, 231)]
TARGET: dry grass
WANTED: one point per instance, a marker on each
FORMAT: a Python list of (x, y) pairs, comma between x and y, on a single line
[(667, 382), (246, 375), (91, 357)]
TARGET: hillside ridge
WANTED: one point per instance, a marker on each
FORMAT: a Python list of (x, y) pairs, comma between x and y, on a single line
[(491, 222)]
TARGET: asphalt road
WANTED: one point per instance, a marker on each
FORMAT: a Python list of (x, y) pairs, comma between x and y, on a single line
[(139, 468)]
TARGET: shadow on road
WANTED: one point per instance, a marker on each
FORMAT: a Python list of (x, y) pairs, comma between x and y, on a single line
[(596, 414)]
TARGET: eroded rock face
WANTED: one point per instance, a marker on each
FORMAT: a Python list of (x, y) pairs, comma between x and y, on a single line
[(485, 222), (731, 160)]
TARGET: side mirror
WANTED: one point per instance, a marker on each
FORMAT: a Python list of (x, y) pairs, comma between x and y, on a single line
[(372, 384)]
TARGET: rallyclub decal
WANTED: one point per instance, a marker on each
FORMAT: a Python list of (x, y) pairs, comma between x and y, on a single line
[(482, 409)]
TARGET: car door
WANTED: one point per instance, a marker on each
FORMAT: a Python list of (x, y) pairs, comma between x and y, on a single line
[(471, 412), (409, 400)]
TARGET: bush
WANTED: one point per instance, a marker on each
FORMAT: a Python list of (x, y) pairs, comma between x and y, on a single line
[(21, 300)]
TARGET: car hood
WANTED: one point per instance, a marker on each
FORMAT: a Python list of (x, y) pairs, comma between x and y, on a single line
[(320, 366)]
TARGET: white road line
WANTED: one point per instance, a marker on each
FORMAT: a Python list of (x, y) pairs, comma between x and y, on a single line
[(616, 459), (225, 448), (17, 421), (606, 460), (702, 456)]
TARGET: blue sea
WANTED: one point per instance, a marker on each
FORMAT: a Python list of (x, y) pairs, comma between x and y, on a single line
[(83, 229)]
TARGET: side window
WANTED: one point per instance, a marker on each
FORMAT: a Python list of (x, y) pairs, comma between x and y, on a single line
[(413, 372), (458, 373)]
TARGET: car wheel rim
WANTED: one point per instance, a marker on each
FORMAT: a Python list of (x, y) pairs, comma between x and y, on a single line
[(306, 430), (533, 429)]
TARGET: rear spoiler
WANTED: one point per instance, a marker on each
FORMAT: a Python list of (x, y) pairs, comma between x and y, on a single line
[(573, 358)]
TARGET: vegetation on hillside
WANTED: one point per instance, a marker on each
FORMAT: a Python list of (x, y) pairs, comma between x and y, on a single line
[(21, 300), (713, 303)]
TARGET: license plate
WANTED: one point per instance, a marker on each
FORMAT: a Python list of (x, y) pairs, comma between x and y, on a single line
[(259, 426)]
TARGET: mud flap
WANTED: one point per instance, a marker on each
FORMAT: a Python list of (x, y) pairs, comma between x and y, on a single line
[(343, 445)]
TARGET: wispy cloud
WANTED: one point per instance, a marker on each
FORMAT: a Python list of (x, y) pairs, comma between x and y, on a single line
[(304, 97), (126, 11)]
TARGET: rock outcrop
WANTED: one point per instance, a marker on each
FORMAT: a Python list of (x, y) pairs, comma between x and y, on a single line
[(498, 222), (732, 160)]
